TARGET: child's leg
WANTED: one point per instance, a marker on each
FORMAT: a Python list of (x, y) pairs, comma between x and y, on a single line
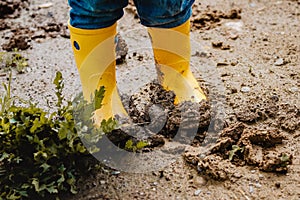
[(95, 14), (164, 13), (169, 28), (93, 28)]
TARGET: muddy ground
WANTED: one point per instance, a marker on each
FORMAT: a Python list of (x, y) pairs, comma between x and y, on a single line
[(245, 53)]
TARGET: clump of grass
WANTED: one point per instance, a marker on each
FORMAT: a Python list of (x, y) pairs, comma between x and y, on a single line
[(13, 60)]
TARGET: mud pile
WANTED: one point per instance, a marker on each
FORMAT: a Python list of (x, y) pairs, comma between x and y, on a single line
[(256, 138), (37, 24), (21, 38), (240, 146), (11, 9), (208, 18), (154, 117), (282, 116)]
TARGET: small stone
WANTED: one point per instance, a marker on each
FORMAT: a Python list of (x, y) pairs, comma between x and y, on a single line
[(234, 36), (238, 26), (115, 172), (234, 63), (197, 192), (251, 189), (245, 89), (199, 181), (154, 183), (261, 176), (252, 171), (201, 54), (222, 64), (294, 89), (225, 47), (217, 44), (279, 62), (234, 90), (102, 182), (142, 193), (46, 5), (258, 185)]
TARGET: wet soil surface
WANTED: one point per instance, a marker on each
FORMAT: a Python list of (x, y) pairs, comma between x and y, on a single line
[(250, 48), (153, 110)]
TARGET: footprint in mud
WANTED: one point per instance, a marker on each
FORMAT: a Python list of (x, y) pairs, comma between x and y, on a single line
[(156, 119), (240, 145)]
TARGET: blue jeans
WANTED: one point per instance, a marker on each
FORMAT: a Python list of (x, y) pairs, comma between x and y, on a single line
[(94, 14)]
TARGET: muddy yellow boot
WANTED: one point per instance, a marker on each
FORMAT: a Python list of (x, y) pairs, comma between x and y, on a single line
[(171, 48), (94, 51)]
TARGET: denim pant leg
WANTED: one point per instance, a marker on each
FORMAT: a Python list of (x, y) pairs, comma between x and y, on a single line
[(95, 14), (164, 13)]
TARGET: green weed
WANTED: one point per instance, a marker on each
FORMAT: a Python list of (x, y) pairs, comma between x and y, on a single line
[(42, 154), (13, 60)]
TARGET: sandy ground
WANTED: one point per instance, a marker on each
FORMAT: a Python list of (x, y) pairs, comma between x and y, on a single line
[(246, 53)]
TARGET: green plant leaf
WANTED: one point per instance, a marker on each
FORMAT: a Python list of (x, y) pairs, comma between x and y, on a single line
[(235, 149), (141, 145)]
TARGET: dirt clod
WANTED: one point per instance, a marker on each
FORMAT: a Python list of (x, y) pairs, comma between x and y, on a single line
[(17, 41), (239, 145), (215, 167), (11, 8), (207, 18), (155, 117), (121, 50)]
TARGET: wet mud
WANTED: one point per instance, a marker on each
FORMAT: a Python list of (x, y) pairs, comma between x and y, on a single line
[(154, 117), (205, 17), (11, 9), (284, 116), (21, 38), (254, 137), (242, 144), (37, 26)]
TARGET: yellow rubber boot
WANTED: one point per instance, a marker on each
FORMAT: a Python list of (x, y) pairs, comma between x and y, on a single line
[(171, 48), (94, 52)]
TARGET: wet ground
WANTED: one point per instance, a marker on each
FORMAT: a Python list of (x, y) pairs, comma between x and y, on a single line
[(245, 53)]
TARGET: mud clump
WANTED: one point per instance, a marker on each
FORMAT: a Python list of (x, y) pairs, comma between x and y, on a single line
[(207, 18), (220, 45), (239, 145), (274, 161), (154, 118), (121, 50), (11, 9), (20, 39), (132, 9), (284, 116), (289, 119), (154, 107), (3, 25), (216, 167)]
